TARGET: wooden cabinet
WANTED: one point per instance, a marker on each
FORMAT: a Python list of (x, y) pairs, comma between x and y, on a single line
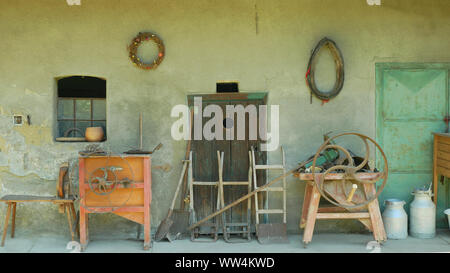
[(441, 159)]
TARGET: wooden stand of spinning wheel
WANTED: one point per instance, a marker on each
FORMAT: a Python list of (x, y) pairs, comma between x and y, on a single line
[(353, 193), (369, 215)]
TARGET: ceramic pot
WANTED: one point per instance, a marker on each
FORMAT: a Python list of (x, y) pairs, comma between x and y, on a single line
[(94, 134)]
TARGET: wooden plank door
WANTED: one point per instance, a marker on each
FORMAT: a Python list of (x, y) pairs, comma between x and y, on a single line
[(236, 162), (412, 101)]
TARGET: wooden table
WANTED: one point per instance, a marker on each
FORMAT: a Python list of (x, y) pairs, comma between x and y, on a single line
[(129, 201), (12, 200), (369, 216), (441, 160)]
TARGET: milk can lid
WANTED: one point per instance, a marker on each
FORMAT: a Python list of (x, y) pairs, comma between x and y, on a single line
[(422, 191), (391, 202)]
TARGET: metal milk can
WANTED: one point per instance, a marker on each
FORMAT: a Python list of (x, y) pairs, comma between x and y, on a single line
[(422, 215), (395, 219)]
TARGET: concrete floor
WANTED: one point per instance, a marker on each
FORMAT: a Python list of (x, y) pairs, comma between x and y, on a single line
[(323, 242)]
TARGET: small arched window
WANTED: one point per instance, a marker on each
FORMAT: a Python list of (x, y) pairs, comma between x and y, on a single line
[(81, 104)]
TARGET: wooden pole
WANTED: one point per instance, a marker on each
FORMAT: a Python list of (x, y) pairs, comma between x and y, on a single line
[(245, 197), (188, 150), (140, 131)]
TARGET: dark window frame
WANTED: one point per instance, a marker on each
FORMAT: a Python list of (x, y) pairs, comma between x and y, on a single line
[(75, 119)]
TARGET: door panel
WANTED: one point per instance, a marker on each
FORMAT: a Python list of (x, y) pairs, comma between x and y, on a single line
[(415, 94), (235, 167), (409, 145), (411, 104), (204, 169)]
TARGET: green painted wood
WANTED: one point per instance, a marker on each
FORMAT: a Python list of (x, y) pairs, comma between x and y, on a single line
[(411, 102)]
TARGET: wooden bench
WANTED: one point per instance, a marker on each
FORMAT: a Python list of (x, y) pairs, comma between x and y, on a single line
[(369, 216), (64, 201)]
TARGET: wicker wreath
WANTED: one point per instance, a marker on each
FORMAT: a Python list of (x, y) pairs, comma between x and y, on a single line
[(136, 42)]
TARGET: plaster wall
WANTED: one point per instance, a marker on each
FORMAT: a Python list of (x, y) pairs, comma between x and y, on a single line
[(263, 44)]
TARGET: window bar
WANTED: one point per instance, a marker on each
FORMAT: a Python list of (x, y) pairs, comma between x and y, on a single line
[(74, 116), (92, 113)]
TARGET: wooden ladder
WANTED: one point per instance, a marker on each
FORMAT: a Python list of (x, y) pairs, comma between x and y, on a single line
[(281, 167)]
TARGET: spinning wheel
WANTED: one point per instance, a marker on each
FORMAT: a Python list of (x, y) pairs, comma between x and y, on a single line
[(353, 190), (103, 181), (355, 198)]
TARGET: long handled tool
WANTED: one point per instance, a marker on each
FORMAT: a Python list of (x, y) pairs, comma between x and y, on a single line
[(166, 224), (245, 197), (188, 150), (140, 150), (181, 217)]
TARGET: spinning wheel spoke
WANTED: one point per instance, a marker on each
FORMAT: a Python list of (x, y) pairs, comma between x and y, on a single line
[(366, 157), (103, 185), (104, 181)]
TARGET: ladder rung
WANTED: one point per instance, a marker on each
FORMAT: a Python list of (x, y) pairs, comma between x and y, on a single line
[(238, 232), (273, 189), (236, 224), (225, 183), (348, 215), (269, 211), (200, 183), (237, 183), (267, 167)]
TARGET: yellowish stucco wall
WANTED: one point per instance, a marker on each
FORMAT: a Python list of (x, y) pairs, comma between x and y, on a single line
[(263, 44)]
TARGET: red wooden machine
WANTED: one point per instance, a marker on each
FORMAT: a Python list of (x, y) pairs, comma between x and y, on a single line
[(119, 184)]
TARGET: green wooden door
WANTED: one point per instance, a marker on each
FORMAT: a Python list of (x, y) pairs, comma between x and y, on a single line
[(412, 101)]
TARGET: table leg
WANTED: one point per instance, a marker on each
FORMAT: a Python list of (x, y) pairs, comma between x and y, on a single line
[(435, 173), (311, 218), (69, 220), (379, 232), (306, 201), (75, 218), (5, 227), (147, 201), (147, 231), (13, 223), (84, 221), (83, 228), (436, 177)]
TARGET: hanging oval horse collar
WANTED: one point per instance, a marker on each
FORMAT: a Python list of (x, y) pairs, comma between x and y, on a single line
[(338, 60)]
